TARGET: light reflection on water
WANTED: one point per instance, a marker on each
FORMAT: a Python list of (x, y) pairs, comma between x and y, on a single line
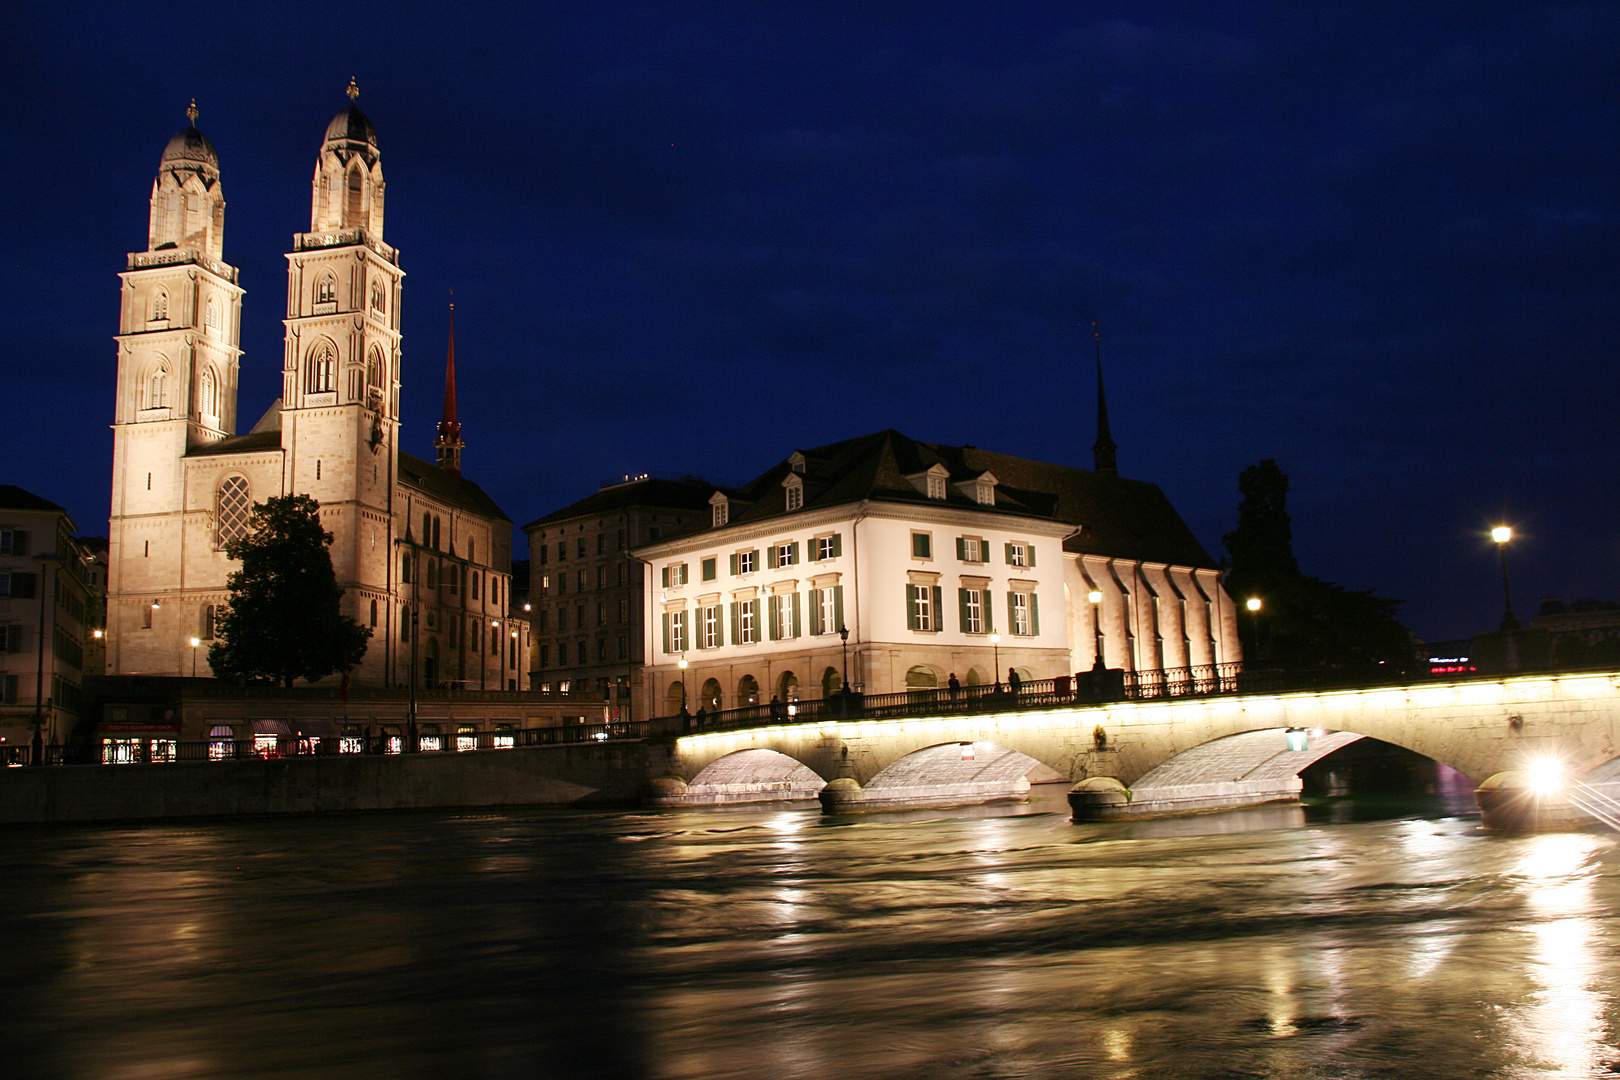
[(1007, 942)]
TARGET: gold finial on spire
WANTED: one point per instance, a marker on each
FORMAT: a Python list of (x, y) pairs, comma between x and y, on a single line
[(452, 298), (191, 112), (354, 89)]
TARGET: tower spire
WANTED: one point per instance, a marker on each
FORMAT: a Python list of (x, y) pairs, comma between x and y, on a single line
[(448, 443), (1102, 451)]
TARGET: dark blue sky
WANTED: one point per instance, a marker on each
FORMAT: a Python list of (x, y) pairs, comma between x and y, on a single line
[(1377, 243)]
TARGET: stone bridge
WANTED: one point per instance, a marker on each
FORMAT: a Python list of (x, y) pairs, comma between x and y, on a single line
[(1183, 755)]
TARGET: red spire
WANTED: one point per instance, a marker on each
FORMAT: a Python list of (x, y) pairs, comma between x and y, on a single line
[(448, 443)]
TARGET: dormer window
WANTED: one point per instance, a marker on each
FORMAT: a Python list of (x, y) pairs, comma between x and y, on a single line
[(794, 484), (981, 489), (796, 462), (932, 482), (721, 507)]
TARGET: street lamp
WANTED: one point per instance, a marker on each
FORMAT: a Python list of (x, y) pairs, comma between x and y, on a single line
[(1502, 534), (1095, 596), (681, 663), (194, 643), (995, 645)]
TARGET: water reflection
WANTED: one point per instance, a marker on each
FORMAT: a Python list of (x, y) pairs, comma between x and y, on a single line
[(771, 943)]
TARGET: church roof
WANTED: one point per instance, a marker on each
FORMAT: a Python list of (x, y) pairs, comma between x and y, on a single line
[(351, 126), (447, 487), (252, 442), (1116, 517)]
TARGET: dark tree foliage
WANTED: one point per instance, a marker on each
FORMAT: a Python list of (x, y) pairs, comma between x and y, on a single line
[(1304, 623), (283, 620)]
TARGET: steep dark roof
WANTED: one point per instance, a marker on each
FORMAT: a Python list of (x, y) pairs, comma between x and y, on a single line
[(13, 497), (1120, 518), (447, 487), (688, 493)]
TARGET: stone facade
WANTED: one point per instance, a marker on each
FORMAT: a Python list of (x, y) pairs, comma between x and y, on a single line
[(410, 538)]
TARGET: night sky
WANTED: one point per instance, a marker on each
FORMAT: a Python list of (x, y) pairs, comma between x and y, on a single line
[(1377, 243)]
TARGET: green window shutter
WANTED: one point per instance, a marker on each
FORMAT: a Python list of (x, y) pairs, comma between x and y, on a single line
[(1012, 623), (733, 564), (939, 607), (795, 616), (1009, 554), (989, 614), (962, 604), (770, 557), (772, 606), (666, 631), (666, 577), (1032, 555), (686, 573), (795, 558), (919, 546), (961, 548), (911, 608), (838, 607), (755, 605), (1034, 613), (736, 623), (837, 544), (815, 612)]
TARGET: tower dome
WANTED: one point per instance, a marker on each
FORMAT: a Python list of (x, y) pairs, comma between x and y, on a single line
[(350, 130), (190, 148)]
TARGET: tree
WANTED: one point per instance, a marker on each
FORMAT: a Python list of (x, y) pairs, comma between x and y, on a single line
[(1304, 623), (283, 620)]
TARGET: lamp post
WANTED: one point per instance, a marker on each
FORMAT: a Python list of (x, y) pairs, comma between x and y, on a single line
[(995, 645), (681, 663), (1253, 604), (1502, 534), (1095, 596), (843, 639), (194, 643)]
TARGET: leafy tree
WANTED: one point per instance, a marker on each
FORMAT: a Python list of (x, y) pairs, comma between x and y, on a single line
[(283, 620), (1305, 623)]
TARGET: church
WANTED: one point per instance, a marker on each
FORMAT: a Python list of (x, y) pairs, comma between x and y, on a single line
[(422, 554)]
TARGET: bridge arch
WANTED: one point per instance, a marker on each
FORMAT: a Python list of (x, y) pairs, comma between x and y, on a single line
[(975, 764), (745, 776)]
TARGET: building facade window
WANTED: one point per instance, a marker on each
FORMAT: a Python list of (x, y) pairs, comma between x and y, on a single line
[(784, 616), (675, 640), (972, 549), (1020, 554), (745, 622), (922, 607), (744, 562), (709, 571), (320, 369), (828, 547), (972, 601), (826, 610), (922, 545), (795, 496), (785, 554), (936, 487), (1023, 614), (709, 617)]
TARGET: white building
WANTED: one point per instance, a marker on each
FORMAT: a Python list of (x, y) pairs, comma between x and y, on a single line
[(406, 532), (939, 561)]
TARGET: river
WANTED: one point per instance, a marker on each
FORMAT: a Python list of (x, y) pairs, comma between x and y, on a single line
[(1354, 941)]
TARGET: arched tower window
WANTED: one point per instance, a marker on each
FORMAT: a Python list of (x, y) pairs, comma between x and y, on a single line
[(157, 390), (357, 383), (160, 304), (353, 212), (320, 373), (326, 290), (374, 377), (208, 394), (211, 316), (379, 299), (232, 508)]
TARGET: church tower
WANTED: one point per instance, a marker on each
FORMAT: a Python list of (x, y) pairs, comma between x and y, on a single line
[(178, 334), (447, 444), (340, 390)]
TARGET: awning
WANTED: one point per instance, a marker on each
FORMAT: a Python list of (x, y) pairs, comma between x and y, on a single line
[(272, 727), (316, 728)]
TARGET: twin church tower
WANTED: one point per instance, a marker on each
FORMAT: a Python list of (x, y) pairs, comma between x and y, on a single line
[(185, 476)]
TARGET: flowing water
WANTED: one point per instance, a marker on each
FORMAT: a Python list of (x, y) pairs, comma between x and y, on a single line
[(1276, 942)]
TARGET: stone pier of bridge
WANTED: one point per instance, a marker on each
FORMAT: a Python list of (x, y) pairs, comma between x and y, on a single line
[(1131, 759)]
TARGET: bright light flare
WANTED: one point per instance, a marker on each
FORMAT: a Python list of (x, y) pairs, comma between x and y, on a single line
[(1546, 776), (1501, 534)]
